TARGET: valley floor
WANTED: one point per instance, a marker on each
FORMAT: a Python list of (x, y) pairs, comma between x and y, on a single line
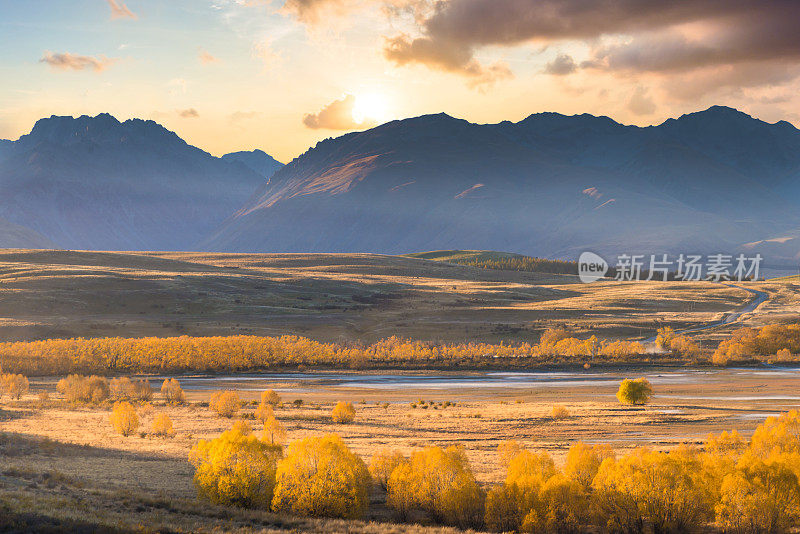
[(63, 466), (347, 297)]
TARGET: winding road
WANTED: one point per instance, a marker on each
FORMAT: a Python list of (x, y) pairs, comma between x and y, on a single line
[(728, 318)]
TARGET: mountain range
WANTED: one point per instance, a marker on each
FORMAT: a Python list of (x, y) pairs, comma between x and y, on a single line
[(715, 181), (98, 183)]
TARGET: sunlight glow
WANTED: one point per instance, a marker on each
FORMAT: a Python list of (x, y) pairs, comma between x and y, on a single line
[(370, 107)]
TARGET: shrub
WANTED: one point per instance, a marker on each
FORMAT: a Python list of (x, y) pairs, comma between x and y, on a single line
[(264, 412), (439, 482), (664, 338), (670, 491), (343, 412), (320, 477), (76, 388), (270, 397), (162, 426), (559, 412), (583, 461), (636, 391), (504, 509), (236, 468), (124, 418), (783, 355), (383, 463), (225, 403), (517, 504), (507, 450), (172, 391), (14, 385), (126, 389), (561, 506), (274, 432), (759, 496)]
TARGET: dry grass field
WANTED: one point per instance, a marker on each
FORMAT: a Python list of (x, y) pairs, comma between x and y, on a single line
[(62, 468), (64, 463), (341, 297)]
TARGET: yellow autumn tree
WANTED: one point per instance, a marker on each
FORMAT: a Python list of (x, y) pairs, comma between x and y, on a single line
[(274, 433), (172, 391), (343, 412), (270, 397), (162, 426), (635, 392), (669, 490), (124, 419), (383, 463), (225, 403), (236, 468), (264, 411), (320, 477), (439, 482), (14, 385), (517, 501), (77, 388), (583, 461)]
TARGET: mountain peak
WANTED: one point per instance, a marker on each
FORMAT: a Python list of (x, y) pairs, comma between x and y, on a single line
[(256, 160)]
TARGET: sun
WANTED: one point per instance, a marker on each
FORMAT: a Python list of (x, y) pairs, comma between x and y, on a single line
[(370, 107)]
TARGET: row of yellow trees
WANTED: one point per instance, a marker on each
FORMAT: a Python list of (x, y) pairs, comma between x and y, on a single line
[(239, 353), (742, 487), (772, 342)]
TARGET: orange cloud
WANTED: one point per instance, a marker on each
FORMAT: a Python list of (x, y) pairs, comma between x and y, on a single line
[(206, 58), (67, 61), (120, 11), (190, 113), (338, 115)]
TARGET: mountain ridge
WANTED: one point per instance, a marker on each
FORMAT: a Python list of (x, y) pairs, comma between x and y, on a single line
[(98, 183), (708, 179)]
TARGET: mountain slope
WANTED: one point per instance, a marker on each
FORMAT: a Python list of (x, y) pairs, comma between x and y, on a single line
[(257, 160), (97, 183), (15, 236), (549, 185)]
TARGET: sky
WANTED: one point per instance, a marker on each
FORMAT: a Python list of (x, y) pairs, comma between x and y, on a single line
[(280, 75)]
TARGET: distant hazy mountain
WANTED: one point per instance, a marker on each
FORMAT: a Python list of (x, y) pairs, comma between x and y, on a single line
[(257, 160), (15, 236), (549, 185), (97, 183)]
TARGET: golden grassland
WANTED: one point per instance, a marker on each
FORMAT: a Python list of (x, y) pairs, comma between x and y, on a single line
[(343, 298), (64, 464)]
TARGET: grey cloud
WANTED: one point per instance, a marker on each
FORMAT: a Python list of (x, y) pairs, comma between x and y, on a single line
[(563, 64), (67, 61)]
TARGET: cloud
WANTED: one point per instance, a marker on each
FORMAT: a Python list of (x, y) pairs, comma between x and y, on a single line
[(626, 36), (238, 116), (312, 12), (402, 50), (561, 65), (67, 61), (190, 113), (641, 103), (177, 86), (338, 115), (120, 11), (264, 52), (206, 58)]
